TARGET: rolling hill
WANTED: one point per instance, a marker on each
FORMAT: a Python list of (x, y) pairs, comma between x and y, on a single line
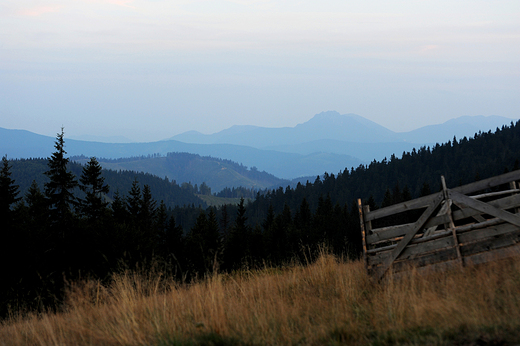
[(195, 169)]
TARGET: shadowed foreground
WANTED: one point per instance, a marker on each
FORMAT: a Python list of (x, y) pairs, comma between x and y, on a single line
[(328, 302)]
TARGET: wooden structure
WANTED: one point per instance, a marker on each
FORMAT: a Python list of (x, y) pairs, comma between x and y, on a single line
[(469, 224)]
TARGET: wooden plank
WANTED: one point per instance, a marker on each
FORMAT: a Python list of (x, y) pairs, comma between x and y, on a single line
[(408, 237), (488, 183), (480, 234), (502, 203), (387, 233), (473, 226), (494, 255), (485, 208), (491, 243), (417, 249), (498, 193), (418, 203), (416, 240), (427, 260)]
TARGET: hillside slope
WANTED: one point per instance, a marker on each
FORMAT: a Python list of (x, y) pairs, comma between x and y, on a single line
[(195, 169)]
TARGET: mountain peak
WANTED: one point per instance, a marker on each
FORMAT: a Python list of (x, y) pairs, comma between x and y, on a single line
[(327, 115)]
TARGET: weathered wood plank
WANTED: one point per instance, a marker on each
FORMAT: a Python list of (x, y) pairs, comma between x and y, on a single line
[(413, 250), (491, 243), (427, 260), (479, 234), (502, 203), (488, 183), (494, 194), (485, 208), (494, 255), (409, 236), (418, 203), (416, 240), (484, 224), (388, 233)]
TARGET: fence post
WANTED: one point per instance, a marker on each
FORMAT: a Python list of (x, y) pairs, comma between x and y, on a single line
[(451, 224), (512, 186), (363, 234)]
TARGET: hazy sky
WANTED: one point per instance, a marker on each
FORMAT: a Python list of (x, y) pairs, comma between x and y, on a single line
[(151, 69)]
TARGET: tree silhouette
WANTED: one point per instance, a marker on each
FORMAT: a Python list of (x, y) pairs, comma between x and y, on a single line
[(93, 184), (8, 192), (59, 189)]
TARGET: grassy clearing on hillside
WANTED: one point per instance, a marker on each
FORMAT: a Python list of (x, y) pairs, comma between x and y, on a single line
[(329, 302)]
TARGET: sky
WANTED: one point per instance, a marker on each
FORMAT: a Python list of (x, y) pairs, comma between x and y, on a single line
[(148, 70)]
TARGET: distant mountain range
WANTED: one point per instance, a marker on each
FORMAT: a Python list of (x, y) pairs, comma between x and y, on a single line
[(348, 134), (329, 142)]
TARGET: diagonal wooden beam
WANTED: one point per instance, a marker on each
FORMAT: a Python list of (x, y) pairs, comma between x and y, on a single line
[(409, 236), (485, 208)]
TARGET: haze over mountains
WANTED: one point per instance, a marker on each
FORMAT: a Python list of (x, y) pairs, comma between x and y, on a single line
[(348, 134), (329, 142)]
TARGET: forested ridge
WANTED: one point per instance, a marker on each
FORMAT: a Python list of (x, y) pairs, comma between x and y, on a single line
[(25, 171), (195, 169), (69, 229)]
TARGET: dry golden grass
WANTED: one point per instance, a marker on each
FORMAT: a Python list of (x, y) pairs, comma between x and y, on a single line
[(328, 302)]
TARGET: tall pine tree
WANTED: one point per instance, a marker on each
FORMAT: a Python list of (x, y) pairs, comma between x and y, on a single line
[(59, 189), (93, 184)]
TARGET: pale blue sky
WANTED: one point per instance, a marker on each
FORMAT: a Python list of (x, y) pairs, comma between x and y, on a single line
[(149, 70)]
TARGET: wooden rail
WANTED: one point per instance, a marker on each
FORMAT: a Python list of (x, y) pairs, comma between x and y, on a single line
[(470, 224)]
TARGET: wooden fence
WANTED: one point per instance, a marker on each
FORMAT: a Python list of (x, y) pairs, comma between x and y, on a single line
[(470, 224)]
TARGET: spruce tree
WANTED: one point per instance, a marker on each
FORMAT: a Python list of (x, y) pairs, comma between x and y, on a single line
[(174, 248), (238, 242), (62, 254), (59, 189), (119, 210), (8, 192), (133, 201), (147, 210), (93, 184)]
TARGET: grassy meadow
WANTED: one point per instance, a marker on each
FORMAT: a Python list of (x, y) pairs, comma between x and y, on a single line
[(328, 302)]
